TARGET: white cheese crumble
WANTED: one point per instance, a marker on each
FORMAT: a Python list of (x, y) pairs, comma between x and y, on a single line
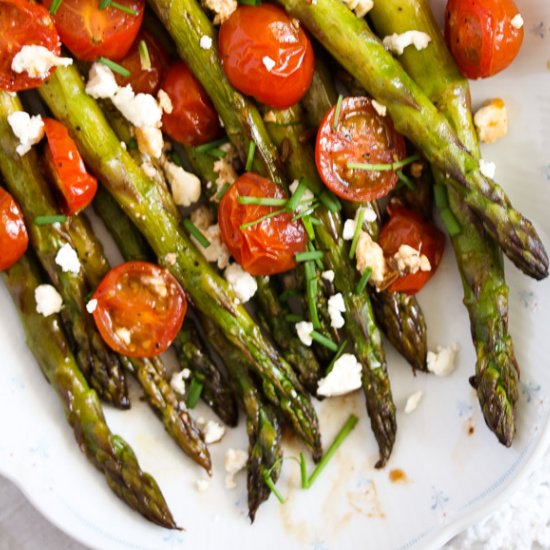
[(91, 306), (29, 130), (268, 62), (328, 275), (370, 254), (491, 121), (349, 230), (412, 402), (101, 82), (369, 215), (307, 196), (344, 377), (48, 300), (185, 187), (177, 382), (304, 330), (165, 102), (487, 168), (37, 61), (360, 7), (205, 42), (139, 109), (410, 260), (150, 141), (67, 259), (382, 110), (225, 167), (396, 43), (442, 361), (202, 485), (217, 251), (235, 461), (213, 432), (222, 9), (171, 258), (336, 307), (517, 21), (242, 283)]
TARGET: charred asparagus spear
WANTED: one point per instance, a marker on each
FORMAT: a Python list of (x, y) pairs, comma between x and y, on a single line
[(479, 258), (108, 452)]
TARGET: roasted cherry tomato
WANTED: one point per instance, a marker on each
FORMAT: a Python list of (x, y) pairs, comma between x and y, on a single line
[(407, 227), (76, 187), (267, 55), (193, 120), (360, 135), (484, 36), (23, 23), (142, 79), (267, 247), (13, 233), (90, 32), (140, 309)]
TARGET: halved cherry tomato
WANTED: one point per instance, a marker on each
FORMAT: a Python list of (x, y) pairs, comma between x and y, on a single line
[(481, 36), (360, 135), (267, 55), (407, 227), (145, 81), (76, 187), (267, 247), (91, 33), (193, 120), (140, 309), (23, 23), (13, 233)]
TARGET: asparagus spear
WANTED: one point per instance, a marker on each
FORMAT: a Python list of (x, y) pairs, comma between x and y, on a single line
[(26, 183), (478, 257), (108, 452), (352, 43), (143, 203)]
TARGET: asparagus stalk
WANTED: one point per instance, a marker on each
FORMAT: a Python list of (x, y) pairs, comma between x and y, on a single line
[(143, 203), (478, 257), (25, 181), (352, 43), (108, 452)]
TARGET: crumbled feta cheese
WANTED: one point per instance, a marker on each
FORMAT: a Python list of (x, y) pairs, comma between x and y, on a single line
[(202, 217), (91, 306), (349, 230), (328, 275), (307, 196), (369, 215), (360, 7), (235, 461), (29, 130), (396, 43), (410, 260), (177, 382), (487, 168), (101, 82), (304, 330), (165, 102), (344, 377), (205, 42), (222, 8), (186, 187), (150, 141), (171, 258), (139, 109), (382, 110), (491, 121), (186, 373), (67, 259), (336, 307), (270, 117), (225, 167), (213, 432), (48, 300), (37, 61), (268, 62), (242, 283), (217, 251), (413, 402), (517, 21), (152, 172), (124, 335), (202, 485), (442, 361), (370, 254)]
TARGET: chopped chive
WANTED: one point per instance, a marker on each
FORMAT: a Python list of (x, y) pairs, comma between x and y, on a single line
[(104, 4), (293, 202), (131, 144), (55, 6), (306, 212), (440, 196), (263, 218), (195, 232), (405, 180), (309, 271), (338, 440), (337, 112), (269, 482), (210, 145), (311, 287), (115, 67), (308, 225), (222, 191), (250, 2), (216, 153), (48, 220), (123, 8), (314, 221), (337, 355), (289, 123), (361, 285), (250, 156), (303, 471), (288, 293), (385, 167), (193, 396), (318, 262), (262, 201), (144, 57), (324, 341), (330, 201), (309, 255), (358, 229), (451, 223), (293, 318)]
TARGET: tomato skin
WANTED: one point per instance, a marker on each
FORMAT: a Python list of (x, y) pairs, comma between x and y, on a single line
[(251, 34), (76, 187), (480, 35), (407, 227), (267, 247), (89, 32), (193, 120), (361, 135), (13, 233), (146, 301), (23, 23)]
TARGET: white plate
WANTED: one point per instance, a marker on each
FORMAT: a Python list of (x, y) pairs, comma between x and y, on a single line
[(455, 470)]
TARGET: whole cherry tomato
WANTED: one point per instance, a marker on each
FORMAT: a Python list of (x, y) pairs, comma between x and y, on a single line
[(13, 233), (90, 32), (267, 247), (140, 309), (23, 23), (407, 227), (76, 187), (484, 36), (193, 120), (360, 135), (267, 55), (142, 79)]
